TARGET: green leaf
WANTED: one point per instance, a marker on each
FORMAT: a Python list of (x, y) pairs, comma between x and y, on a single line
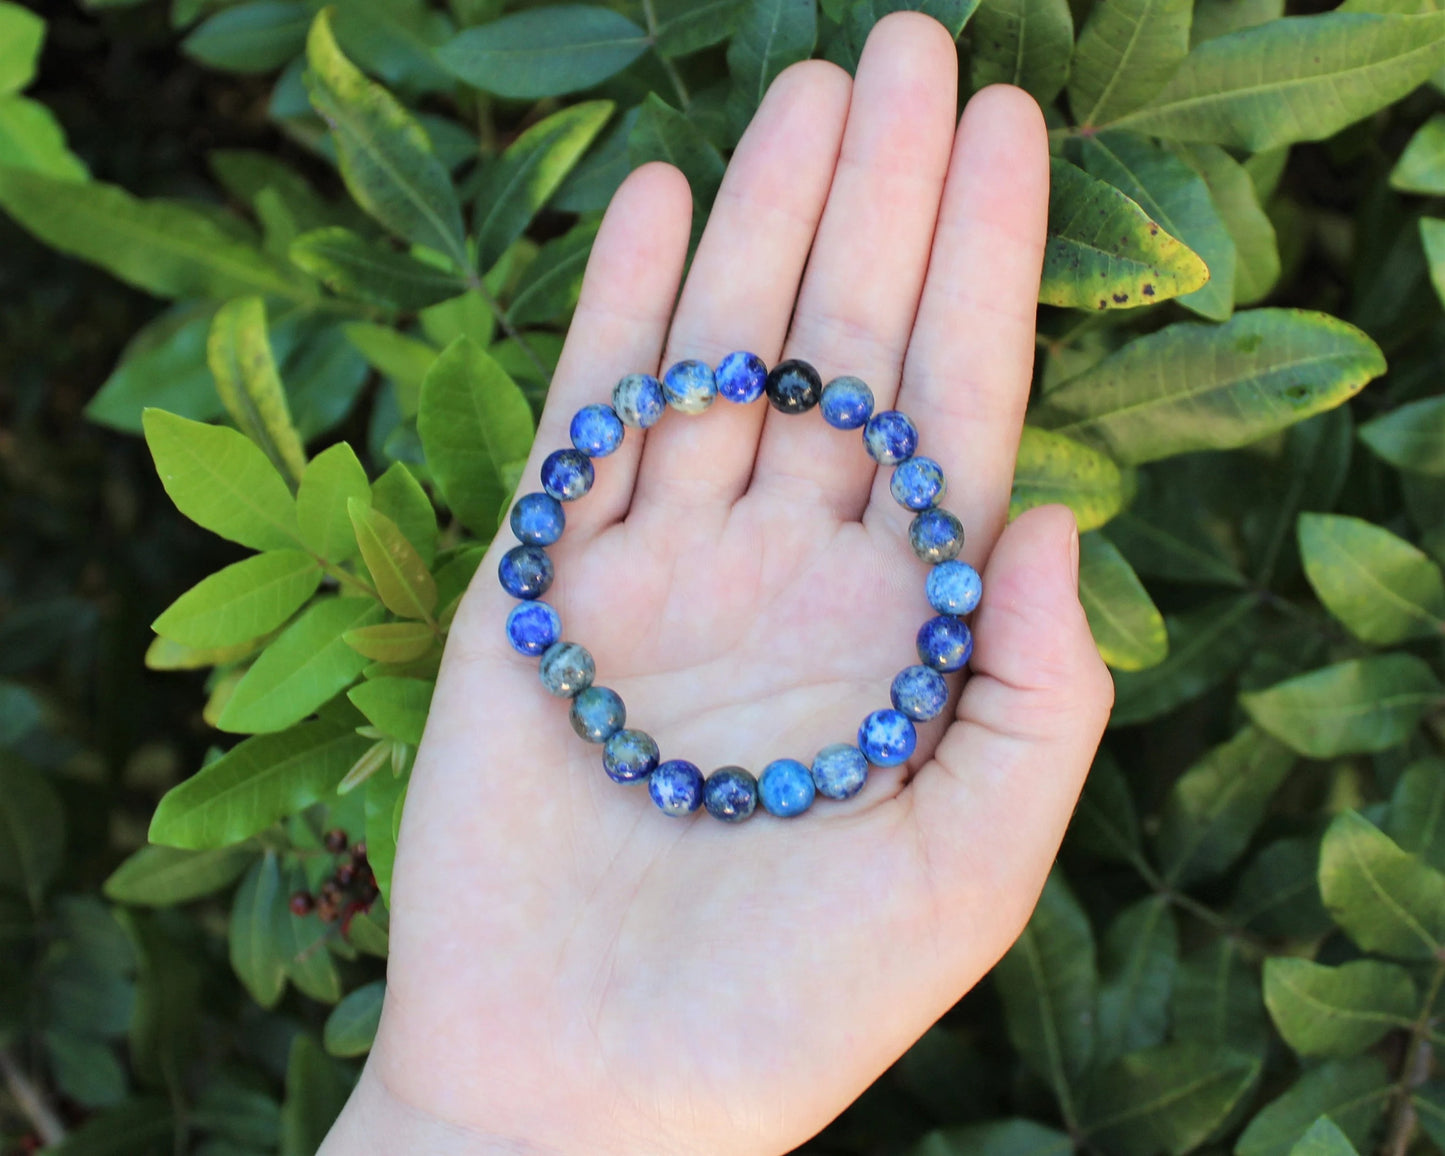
[(352, 1024), (403, 359), (661, 133), (1386, 900), (1106, 823), (1295, 79), (1352, 1093), (544, 52), (1279, 892), (395, 706), (1358, 706), (22, 33), (334, 478), (1193, 387), (1337, 1011), (1051, 468), (1411, 437), (166, 876), (32, 831), (32, 139), (996, 1138), (771, 35), (163, 367), (219, 479), (1214, 808), (1024, 43), (352, 266), (255, 945), (1421, 167), (474, 424), (257, 782), (385, 157), (239, 1113), (1432, 237), (1217, 17), (1416, 819), (86, 1070), (1125, 53), (305, 667), (244, 601), (402, 579), (845, 47), (516, 185), (1381, 587), (550, 285), (392, 642), (140, 1127), (1324, 1139), (1217, 999), (165, 1026), (1429, 1104), (1103, 251), (385, 795), (399, 496), (1127, 626), (316, 1089), (308, 962), (164, 247), (259, 36), (1137, 961), (1256, 248), (687, 26)]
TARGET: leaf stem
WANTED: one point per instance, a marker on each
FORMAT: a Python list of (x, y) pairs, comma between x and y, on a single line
[(683, 96), (31, 1103), (1414, 1069)]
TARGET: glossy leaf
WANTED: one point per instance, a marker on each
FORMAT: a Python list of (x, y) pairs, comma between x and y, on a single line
[(384, 799), (1411, 437), (1050, 468), (1025, 43), (1125, 52), (1421, 167), (32, 831), (1127, 626), (392, 642), (661, 133), (687, 26), (399, 496), (256, 953), (22, 32), (316, 1089), (771, 34), (156, 876), (550, 285), (1386, 900), (258, 36), (1416, 819), (1351, 1093), (1324, 1139), (395, 706), (1256, 247), (1137, 960), (363, 270), (1337, 1011), (245, 600), (333, 478), (352, 1024), (402, 579), (32, 139)]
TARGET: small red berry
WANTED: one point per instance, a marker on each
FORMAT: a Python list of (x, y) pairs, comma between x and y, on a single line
[(358, 853), (346, 874), (302, 903), (30, 1142), (330, 892), (336, 841)]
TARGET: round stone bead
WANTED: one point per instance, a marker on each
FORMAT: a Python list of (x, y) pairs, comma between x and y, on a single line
[(596, 430), (794, 386), (890, 437), (786, 788), (847, 403), (689, 386), (532, 627), (629, 756), (887, 738), (917, 483), (676, 787), (740, 377), (567, 669), (567, 474), (945, 643), (936, 536), (638, 400), (954, 588), (598, 713), (525, 572), (730, 794), (537, 519), (919, 692), (839, 771)]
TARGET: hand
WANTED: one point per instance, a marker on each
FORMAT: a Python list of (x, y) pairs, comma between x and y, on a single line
[(573, 971)]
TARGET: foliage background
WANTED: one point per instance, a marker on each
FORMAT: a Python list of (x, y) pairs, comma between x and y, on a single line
[(1242, 947)]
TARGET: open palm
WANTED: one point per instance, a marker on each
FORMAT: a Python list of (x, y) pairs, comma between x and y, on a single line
[(573, 971)]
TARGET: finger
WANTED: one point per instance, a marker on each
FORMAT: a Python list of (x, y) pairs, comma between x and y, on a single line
[(740, 289), (861, 288), (970, 360)]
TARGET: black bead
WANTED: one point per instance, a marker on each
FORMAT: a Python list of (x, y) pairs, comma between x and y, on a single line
[(794, 386)]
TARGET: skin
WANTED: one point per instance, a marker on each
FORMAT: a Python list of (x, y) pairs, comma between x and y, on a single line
[(573, 972)]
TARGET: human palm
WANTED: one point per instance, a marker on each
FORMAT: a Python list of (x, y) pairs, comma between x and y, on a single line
[(571, 970)]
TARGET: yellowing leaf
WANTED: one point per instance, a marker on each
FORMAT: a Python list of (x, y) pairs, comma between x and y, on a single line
[(1051, 468), (402, 579), (239, 354)]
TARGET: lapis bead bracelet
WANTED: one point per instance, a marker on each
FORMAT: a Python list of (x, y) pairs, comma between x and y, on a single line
[(786, 787)]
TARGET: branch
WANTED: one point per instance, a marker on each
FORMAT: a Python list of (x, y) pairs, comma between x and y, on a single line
[(31, 1103)]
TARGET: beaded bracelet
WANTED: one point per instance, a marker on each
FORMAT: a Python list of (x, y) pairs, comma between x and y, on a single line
[(786, 787)]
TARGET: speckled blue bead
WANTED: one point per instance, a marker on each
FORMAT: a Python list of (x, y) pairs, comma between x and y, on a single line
[(945, 643), (936, 536), (596, 430), (567, 474), (919, 692), (639, 400), (567, 669), (917, 483), (532, 627), (954, 588), (676, 787), (525, 572), (847, 403), (538, 519), (786, 788), (839, 771), (689, 386), (740, 377), (887, 738), (629, 756), (730, 794), (890, 437), (598, 714), (793, 386)]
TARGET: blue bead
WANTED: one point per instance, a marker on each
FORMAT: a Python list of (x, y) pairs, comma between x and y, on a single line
[(532, 627), (919, 692), (638, 400), (890, 437), (793, 386), (786, 788), (525, 572), (740, 377), (839, 771), (954, 588), (538, 519), (567, 669), (598, 714), (676, 787), (887, 738), (629, 756), (936, 536), (730, 794), (596, 430), (944, 643), (567, 474), (847, 403), (917, 483), (689, 386)]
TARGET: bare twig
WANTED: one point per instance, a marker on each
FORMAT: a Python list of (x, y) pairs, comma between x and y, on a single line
[(28, 1099)]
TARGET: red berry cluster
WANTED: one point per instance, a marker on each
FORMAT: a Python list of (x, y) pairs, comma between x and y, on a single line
[(350, 890)]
